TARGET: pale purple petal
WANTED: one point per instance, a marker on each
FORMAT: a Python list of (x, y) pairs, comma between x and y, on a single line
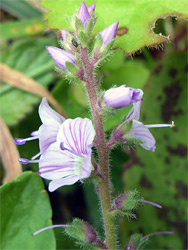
[(134, 113), (83, 14), (140, 131), (60, 56), (55, 184), (48, 115), (91, 8), (47, 135), (109, 33), (76, 135), (120, 97), (63, 34), (56, 163), (87, 167)]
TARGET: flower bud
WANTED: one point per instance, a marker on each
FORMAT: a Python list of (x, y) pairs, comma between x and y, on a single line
[(127, 201), (108, 33), (84, 13), (69, 42), (121, 96), (60, 57), (82, 231)]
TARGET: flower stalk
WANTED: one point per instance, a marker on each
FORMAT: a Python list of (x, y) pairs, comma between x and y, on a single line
[(104, 186)]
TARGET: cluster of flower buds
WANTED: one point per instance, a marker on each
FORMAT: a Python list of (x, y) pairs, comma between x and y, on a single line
[(67, 58)]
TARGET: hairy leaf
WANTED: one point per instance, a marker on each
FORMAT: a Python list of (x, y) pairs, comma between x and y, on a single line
[(136, 18)]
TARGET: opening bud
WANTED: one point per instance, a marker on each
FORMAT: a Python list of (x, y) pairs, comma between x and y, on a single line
[(122, 96)]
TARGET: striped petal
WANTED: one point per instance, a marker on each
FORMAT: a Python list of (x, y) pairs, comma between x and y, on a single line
[(48, 115), (47, 135), (56, 163), (76, 135), (55, 184), (134, 113), (140, 131)]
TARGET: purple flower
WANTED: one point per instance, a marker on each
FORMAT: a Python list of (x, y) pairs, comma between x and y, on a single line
[(68, 159), (122, 96), (134, 131), (47, 133), (60, 57), (108, 33), (84, 13), (138, 129), (65, 147)]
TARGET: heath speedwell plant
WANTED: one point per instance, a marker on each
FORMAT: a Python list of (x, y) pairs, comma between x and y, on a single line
[(65, 155)]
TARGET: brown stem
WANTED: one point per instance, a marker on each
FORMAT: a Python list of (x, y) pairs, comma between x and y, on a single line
[(104, 186)]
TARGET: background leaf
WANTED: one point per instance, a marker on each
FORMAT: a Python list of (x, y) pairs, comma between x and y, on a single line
[(161, 176), (17, 29), (136, 18), (20, 9), (30, 57), (25, 208)]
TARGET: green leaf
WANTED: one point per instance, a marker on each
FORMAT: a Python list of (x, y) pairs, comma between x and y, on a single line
[(30, 57), (161, 176), (17, 29), (136, 18), (20, 9), (25, 208)]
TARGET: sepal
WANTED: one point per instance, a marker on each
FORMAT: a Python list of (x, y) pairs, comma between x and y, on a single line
[(83, 39), (108, 47), (137, 242), (71, 68), (126, 203), (79, 26), (90, 26), (84, 234)]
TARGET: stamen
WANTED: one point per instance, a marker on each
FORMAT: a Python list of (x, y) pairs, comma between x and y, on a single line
[(46, 228), (21, 141), (161, 125), (35, 156), (151, 203), (23, 161), (152, 234), (35, 133), (26, 161)]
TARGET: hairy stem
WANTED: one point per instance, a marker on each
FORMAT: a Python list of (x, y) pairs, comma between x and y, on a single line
[(104, 186)]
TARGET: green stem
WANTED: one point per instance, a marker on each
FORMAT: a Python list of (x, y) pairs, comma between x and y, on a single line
[(104, 186)]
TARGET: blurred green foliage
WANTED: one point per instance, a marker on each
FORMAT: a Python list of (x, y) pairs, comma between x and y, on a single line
[(160, 176)]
